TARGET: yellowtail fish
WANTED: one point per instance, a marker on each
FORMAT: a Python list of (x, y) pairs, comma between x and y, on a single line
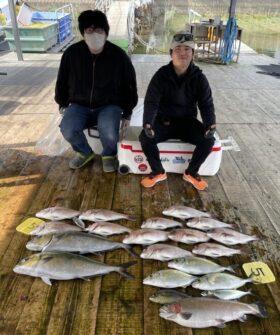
[(206, 312)]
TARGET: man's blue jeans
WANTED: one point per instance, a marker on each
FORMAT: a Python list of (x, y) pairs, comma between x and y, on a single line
[(76, 118)]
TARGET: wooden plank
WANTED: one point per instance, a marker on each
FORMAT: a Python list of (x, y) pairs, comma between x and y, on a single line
[(121, 301), (245, 191), (102, 197), (154, 201), (253, 163), (257, 219), (182, 193), (60, 301), (227, 212), (76, 299), (15, 288)]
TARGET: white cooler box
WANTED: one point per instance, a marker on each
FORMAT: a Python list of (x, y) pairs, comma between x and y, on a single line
[(175, 154)]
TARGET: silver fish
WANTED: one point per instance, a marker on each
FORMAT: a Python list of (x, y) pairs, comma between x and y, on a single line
[(160, 223), (66, 266), (183, 212), (82, 243), (168, 296), (197, 265), (57, 213), (96, 215), (164, 252), (146, 236), (220, 281), (206, 312), (207, 223), (106, 228), (230, 237), (188, 236), (78, 222), (169, 279), (226, 294), (54, 227), (214, 250)]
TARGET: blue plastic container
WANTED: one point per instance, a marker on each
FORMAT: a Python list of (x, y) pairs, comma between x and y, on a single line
[(63, 21)]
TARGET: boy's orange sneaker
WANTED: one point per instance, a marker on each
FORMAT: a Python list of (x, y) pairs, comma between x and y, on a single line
[(152, 179), (196, 181)]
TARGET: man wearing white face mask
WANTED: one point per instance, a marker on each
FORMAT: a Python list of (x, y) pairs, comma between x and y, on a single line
[(96, 85), (95, 39)]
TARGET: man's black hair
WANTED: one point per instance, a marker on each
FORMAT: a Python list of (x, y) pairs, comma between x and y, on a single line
[(94, 18)]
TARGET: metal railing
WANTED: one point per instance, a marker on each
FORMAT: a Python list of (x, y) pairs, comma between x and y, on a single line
[(131, 23), (130, 26), (68, 9), (103, 5), (193, 15)]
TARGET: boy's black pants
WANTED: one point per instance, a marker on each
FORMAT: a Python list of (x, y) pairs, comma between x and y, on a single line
[(188, 130)]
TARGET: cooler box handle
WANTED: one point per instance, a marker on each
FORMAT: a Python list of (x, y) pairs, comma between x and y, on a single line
[(229, 144), (93, 132)]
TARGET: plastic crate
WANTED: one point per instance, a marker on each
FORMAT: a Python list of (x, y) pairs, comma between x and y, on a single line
[(34, 30), (63, 21), (34, 38)]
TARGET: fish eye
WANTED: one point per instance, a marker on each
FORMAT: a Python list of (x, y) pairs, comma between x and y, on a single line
[(24, 260)]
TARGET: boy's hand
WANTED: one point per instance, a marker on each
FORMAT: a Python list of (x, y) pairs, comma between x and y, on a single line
[(210, 131), (149, 131)]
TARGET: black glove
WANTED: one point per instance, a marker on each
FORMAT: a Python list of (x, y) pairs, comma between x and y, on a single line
[(210, 132), (149, 131)]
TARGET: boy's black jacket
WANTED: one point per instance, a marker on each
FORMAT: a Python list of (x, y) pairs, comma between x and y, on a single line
[(95, 81), (169, 96)]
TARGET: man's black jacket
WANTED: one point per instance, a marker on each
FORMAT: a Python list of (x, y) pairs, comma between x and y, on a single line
[(96, 80), (172, 96)]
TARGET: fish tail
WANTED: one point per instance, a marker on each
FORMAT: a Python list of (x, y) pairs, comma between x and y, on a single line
[(260, 309), (129, 249), (79, 222), (251, 293), (232, 268), (245, 250), (256, 237), (131, 218), (123, 269), (233, 226), (251, 279)]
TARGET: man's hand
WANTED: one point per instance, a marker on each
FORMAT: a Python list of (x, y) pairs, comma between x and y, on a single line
[(149, 131), (124, 124), (62, 110), (210, 131)]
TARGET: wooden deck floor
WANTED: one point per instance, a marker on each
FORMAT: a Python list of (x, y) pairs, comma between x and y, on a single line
[(246, 191)]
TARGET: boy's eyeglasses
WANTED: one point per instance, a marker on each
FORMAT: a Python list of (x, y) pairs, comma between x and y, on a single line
[(182, 37), (91, 30)]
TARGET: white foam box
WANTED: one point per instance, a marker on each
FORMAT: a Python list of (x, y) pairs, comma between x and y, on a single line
[(175, 155)]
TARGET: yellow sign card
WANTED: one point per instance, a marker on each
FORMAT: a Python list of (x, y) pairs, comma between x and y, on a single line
[(259, 272), (28, 225)]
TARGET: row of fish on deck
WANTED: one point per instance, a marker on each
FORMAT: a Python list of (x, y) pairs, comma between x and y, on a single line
[(58, 241)]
